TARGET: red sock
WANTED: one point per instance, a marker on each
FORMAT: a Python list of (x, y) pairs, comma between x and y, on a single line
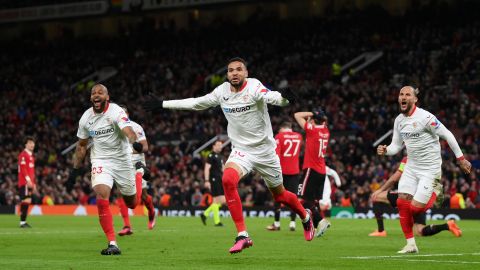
[(291, 200), (124, 212), (230, 181), (419, 210), (106, 219), (406, 218), (149, 204), (138, 186)]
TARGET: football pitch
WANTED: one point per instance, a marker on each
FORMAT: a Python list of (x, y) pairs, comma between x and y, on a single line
[(61, 242)]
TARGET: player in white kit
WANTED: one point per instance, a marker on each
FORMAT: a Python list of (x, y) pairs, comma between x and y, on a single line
[(244, 103), (139, 164), (325, 203), (111, 157), (419, 130)]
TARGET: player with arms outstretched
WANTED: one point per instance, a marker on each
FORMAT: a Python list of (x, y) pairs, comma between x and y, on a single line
[(420, 131), (111, 157), (244, 103)]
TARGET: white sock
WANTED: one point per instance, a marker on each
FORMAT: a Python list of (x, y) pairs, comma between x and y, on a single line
[(113, 243), (292, 224), (141, 171), (411, 241), (276, 224), (307, 218), (22, 222), (243, 233)]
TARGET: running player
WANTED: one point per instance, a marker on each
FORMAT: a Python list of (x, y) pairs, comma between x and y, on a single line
[(244, 103), (111, 157), (419, 130), (138, 159)]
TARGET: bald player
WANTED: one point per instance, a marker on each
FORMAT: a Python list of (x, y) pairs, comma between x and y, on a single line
[(420, 131), (113, 138)]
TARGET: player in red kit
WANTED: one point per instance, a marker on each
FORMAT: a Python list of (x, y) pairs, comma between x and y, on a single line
[(316, 142), (288, 150), (26, 179)]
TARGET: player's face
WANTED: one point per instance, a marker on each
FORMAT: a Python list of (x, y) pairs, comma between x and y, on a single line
[(30, 145), (217, 147), (99, 98), (406, 99), (236, 73)]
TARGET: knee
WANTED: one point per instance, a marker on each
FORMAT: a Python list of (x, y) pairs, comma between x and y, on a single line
[(230, 178)]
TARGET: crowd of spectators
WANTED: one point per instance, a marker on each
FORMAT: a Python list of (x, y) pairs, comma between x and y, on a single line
[(438, 55)]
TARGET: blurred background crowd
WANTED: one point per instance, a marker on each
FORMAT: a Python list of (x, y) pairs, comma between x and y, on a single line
[(432, 48)]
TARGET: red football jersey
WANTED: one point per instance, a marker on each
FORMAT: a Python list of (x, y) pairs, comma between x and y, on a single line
[(288, 150), (26, 166), (317, 137)]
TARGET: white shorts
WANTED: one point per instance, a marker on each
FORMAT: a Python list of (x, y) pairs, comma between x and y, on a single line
[(122, 173), (418, 183), (267, 165)]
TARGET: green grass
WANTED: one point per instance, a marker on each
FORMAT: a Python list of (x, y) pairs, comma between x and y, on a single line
[(184, 243)]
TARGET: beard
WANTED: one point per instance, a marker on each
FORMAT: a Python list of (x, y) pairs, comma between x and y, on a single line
[(103, 104), (236, 85), (407, 109)]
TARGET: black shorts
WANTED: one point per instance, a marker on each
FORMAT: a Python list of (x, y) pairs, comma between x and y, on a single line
[(290, 182), (392, 197), (311, 188), (24, 192), (216, 186)]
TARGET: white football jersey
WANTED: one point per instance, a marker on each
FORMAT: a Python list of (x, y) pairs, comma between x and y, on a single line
[(140, 137), (246, 111), (105, 129), (420, 133)]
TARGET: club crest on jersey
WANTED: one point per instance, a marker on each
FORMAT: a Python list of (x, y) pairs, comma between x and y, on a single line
[(435, 123)]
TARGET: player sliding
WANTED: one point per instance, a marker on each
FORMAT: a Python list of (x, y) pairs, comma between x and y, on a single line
[(111, 156), (386, 197), (419, 130), (244, 103)]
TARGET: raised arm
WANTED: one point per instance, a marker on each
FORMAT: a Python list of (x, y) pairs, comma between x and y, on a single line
[(302, 117)]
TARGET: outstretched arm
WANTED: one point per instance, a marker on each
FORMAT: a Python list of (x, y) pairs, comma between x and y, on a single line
[(447, 135)]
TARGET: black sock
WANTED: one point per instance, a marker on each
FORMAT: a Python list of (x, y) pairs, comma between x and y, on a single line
[(430, 230), (316, 216), (293, 215), (377, 209), (277, 212), (23, 211)]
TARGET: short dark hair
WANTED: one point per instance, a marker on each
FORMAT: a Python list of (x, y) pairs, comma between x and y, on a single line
[(286, 124), (237, 59), (29, 138)]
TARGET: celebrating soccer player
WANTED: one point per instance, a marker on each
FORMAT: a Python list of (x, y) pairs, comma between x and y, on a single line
[(111, 157), (138, 159), (419, 130), (244, 103)]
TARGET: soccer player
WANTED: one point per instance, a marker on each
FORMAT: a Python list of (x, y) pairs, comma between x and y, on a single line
[(316, 142), (26, 179), (111, 157), (139, 160), (419, 130), (244, 103), (213, 181), (326, 201), (386, 197), (288, 150)]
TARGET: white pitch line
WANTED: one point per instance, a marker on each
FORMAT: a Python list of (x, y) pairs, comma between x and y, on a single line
[(437, 261), (403, 256), (65, 232)]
